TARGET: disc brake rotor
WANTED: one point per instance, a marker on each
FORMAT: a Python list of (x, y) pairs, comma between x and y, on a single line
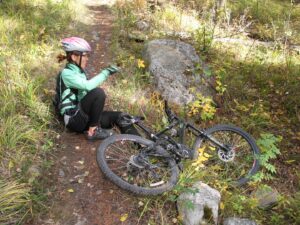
[(226, 156)]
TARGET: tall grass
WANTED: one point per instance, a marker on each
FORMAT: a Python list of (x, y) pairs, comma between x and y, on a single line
[(14, 201), (29, 34)]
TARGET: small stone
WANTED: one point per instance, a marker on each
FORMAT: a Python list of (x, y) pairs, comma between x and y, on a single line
[(99, 192), (238, 221), (111, 191), (18, 170), (90, 185), (77, 147), (142, 25), (267, 197), (61, 173)]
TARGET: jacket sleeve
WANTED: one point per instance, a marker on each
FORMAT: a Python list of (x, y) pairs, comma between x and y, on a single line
[(78, 81)]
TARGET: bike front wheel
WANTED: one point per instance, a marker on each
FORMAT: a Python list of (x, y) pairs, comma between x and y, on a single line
[(129, 162), (239, 163)]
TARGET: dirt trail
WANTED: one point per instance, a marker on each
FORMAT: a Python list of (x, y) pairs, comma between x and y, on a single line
[(81, 195)]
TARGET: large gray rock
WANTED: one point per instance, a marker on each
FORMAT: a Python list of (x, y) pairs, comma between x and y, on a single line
[(172, 62), (238, 221), (206, 197)]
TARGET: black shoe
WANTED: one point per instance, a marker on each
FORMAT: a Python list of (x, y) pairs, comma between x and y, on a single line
[(99, 134)]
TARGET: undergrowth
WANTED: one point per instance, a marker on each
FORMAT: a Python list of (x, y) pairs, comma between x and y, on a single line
[(29, 32), (257, 85)]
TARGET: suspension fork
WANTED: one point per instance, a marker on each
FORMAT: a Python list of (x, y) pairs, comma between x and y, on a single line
[(217, 143), (203, 135)]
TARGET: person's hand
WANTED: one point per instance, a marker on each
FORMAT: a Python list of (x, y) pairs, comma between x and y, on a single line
[(112, 69)]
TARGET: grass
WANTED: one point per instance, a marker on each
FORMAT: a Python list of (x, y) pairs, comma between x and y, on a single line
[(14, 201), (29, 34)]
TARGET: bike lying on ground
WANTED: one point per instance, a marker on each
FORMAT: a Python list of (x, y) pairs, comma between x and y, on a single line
[(150, 166)]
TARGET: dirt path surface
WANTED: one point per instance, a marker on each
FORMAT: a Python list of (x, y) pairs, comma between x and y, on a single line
[(81, 195)]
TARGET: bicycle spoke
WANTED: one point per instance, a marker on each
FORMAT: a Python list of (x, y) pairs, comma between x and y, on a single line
[(118, 157), (232, 164)]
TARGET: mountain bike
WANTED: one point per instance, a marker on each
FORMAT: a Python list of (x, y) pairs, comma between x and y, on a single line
[(150, 165)]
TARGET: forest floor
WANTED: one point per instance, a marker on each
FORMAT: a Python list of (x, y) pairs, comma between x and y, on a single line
[(80, 194)]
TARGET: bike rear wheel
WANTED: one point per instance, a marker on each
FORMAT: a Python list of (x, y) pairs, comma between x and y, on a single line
[(118, 158), (236, 166)]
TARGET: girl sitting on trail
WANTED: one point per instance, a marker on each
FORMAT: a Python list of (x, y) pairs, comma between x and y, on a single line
[(80, 101)]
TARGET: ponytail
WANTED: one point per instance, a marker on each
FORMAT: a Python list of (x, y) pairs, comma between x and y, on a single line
[(61, 58)]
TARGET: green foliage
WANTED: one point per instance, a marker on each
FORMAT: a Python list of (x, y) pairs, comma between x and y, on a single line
[(203, 106), (275, 19), (269, 150), (237, 203), (29, 32), (203, 38), (126, 17), (259, 85)]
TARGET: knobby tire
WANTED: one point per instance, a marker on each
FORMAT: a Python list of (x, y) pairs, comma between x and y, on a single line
[(244, 160), (113, 156)]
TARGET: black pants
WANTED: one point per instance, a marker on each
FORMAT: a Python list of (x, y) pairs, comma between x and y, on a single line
[(92, 105)]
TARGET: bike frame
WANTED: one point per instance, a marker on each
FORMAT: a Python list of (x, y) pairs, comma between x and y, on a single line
[(181, 127)]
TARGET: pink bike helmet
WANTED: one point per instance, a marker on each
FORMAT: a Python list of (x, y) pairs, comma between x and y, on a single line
[(75, 44)]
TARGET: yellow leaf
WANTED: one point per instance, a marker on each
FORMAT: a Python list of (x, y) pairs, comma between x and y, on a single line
[(141, 63), (124, 217), (70, 190), (201, 150), (213, 148), (206, 155), (222, 206), (203, 159), (10, 164)]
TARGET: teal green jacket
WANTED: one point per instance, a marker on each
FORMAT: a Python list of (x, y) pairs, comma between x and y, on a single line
[(75, 79)]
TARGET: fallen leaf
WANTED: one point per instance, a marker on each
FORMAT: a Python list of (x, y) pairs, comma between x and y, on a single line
[(290, 161), (80, 180), (124, 217), (141, 203), (222, 206)]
